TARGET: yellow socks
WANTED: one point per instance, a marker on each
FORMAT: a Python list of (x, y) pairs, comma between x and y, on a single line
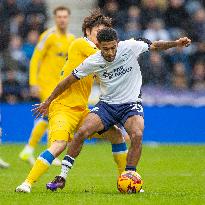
[(37, 132), (40, 167), (120, 155)]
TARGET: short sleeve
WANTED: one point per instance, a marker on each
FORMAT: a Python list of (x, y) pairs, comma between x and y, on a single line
[(84, 69), (89, 50), (138, 47)]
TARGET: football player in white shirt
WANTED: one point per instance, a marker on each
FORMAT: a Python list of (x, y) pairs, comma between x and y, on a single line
[(116, 66)]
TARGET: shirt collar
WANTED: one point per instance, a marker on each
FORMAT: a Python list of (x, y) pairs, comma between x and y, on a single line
[(90, 42)]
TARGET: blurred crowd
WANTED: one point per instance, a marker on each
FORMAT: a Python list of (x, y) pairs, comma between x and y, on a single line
[(21, 22), (180, 69)]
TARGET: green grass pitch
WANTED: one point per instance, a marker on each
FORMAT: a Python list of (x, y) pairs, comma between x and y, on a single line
[(173, 174)]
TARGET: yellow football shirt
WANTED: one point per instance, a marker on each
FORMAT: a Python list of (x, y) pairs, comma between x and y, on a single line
[(77, 95), (48, 59)]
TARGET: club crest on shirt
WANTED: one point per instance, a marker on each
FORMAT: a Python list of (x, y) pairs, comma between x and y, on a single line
[(125, 57)]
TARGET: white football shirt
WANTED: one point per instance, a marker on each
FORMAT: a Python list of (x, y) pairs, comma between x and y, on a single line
[(121, 79)]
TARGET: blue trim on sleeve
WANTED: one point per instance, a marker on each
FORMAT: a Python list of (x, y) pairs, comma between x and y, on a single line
[(119, 147), (75, 75), (45, 118), (47, 156), (145, 40)]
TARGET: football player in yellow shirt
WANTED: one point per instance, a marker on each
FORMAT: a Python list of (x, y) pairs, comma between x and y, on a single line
[(68, 111), (47, 61)]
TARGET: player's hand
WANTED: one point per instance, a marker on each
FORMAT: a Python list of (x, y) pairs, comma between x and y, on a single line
[(181, 42), (41, 109), (34, 90)]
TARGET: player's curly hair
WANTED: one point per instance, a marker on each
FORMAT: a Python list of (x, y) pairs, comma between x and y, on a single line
[(107, 34), (94, 19)]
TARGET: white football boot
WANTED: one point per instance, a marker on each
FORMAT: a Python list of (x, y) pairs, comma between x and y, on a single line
[(3, 164), (24, 187), (27, 155), (141, 191)]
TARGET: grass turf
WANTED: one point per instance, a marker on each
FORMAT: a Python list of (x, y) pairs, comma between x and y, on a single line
[(173, 174)]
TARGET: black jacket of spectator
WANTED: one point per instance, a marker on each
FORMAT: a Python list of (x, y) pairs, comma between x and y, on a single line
[(177, 18)]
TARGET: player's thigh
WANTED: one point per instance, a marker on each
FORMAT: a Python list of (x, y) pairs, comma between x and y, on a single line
[(134, 124), (92, 123), (114, 135), (63, 123), (85, 114)]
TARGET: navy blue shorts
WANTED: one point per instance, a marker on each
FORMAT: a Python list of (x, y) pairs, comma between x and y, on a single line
[(112, 114)]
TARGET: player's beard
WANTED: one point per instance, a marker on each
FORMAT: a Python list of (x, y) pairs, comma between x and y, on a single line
[(109, 58)]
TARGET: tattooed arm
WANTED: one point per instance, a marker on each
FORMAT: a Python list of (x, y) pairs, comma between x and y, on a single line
[(164, 45)]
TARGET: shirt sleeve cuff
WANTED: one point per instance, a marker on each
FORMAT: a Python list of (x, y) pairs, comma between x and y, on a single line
[(73, 73)]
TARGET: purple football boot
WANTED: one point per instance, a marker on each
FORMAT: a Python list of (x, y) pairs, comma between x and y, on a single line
[(58, 182)]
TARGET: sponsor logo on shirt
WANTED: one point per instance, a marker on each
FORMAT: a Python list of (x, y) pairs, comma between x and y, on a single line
[(117, 72)]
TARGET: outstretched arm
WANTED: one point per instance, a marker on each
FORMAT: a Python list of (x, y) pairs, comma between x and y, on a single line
[(164, 45), (42, 108)]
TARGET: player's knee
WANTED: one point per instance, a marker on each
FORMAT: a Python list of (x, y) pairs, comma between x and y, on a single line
[(136, 137), (62, 145), (83, 133), (116, 137), (58, 147)]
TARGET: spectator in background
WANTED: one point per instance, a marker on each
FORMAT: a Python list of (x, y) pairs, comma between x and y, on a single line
[(30, 43), (198, 76), (11, 88), (17, 25), (22, 4), (150, 10), (192, 6), (179, 78), (199, 25), (133, 14), (178, 55), (17, 54), (158, 70), (199, 54), (10, 8), (122, 4), (156, 31), (4, 36), (176, 17), (38, 8), (112, 10), (35, 16), (132, 26)]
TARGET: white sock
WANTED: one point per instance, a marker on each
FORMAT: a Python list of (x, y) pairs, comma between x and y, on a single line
[(29, 149), (67, 164)]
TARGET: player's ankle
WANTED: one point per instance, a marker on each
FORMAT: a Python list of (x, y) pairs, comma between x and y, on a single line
[(27, 183), (29, 148), (130, 168)]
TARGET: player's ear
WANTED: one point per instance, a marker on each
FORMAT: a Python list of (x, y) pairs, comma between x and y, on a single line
[(88, 31)]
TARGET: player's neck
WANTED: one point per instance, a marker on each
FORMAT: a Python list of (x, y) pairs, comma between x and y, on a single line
[(88, 39), (62, 31)]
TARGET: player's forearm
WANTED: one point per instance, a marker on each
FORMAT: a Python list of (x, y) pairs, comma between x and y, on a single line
[(163, 45), (60, 88)]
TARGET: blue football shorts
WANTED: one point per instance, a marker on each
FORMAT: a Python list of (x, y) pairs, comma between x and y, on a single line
[(113, 114)]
